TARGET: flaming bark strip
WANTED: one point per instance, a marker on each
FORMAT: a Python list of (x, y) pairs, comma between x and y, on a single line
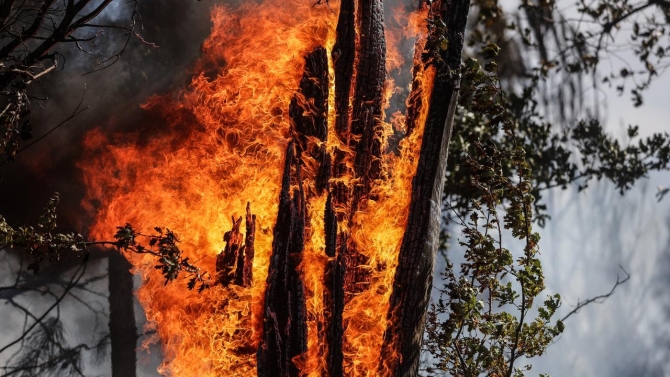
[(365, 130), (334, 299), (308, 112), (402, 345), (234, 263), (228, 261), (248, 272), (359, 62), (343, 55)]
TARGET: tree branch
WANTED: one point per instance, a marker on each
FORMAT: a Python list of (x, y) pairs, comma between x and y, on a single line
[(601, 298)]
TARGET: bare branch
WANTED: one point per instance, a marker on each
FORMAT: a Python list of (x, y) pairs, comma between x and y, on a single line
[(601, 298)]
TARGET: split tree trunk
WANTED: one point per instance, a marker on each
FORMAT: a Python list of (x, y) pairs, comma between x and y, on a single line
[(359, 63), (285, 317)]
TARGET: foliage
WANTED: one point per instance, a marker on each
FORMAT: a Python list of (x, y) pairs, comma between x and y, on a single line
[(472, 328), (162, 245), (646, 23), (558, 158), (44, 243), (15, 122), (504, 154), (561, 152)]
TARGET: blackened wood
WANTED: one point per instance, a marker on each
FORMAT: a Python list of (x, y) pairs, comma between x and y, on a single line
[(308, 112), (247, 272), (229, 259), (414, 274), (368, 94), (122, 328), (235, 263), (335, 332), (359, 82), (272, 358), (333, 294), (285, 326), (343, 56), (297, 323), (366, 127), (357, 278), (239, 266), (285, 320), (330, 224)]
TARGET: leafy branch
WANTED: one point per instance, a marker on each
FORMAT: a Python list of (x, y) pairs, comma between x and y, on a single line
[(44, 243), (481, 323), (163, 245)]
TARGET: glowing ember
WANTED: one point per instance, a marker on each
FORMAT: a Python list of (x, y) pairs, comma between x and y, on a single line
[(223, 144)]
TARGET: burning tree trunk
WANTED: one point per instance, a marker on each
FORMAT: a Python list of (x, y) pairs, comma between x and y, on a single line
[(414, 275), (359, 65), (285, 317), (285, 327)]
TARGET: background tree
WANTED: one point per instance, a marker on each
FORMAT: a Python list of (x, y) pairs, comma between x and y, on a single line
[(468, 336)]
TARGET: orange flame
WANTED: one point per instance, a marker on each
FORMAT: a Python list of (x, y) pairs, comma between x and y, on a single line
[(223, 144)]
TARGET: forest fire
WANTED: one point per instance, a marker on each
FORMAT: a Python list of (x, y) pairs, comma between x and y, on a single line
[(272, 120)]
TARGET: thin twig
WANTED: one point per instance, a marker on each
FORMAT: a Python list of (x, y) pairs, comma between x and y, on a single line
[(601, 298)]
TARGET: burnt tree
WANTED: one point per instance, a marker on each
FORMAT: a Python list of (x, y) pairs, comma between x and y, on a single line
[(414, 276), (359, 58)]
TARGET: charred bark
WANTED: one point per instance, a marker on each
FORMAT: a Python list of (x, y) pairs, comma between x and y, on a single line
[(247, 270), (308, 112), (365, 129), (333, 293), (343, 56), (234, 264), (285, 317), (122, 329), (414, 274), (285, 329), (359, 62), (227, 262), (368, 96)]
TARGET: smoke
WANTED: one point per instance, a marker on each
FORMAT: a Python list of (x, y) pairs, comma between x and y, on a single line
[(590, 236), (112, 95)]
